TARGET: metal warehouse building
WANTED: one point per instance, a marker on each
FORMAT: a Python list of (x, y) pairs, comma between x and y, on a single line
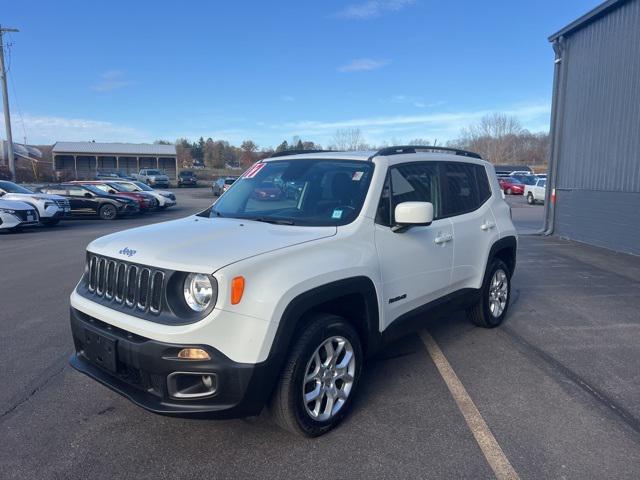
[(82, 160), (595, 129)]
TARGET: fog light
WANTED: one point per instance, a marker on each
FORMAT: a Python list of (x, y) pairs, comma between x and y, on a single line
[(193, 354)]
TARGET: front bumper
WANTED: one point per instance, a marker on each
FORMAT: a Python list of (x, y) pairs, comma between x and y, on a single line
[(140, 367)]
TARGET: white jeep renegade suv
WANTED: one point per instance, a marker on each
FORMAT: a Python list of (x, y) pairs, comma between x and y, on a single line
[(279, 291)]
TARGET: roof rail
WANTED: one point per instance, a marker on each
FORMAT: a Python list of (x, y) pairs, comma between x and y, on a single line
[(286, 153), (385, 152)]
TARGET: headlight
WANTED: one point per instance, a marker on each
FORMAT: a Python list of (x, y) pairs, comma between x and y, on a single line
[(166, 195), (48, 204), (7, 210), (200, 291)]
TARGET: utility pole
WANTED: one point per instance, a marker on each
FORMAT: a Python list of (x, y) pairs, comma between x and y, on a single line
[(5, 103)]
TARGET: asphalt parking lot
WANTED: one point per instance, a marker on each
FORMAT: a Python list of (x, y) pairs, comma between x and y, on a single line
[(558, 384)]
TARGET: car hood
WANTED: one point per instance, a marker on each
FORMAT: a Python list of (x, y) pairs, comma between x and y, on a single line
[(202, 245), (159, 177), (13, 205), (33, 196)]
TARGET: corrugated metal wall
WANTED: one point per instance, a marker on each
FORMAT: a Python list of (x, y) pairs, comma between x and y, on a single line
[(599, 148)]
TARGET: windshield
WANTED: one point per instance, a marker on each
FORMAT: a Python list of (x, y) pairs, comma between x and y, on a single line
[(542, 183), (124, 187), (11, 187), (154, 172), (95, 189), (229, 181), (298, 192), (527, 179), (143, 186)]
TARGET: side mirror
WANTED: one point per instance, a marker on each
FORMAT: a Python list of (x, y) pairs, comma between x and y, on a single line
[(112, 192), (88, 195), (2, 194), (412, 214)]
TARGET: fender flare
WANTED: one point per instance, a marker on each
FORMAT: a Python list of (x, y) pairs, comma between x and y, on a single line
[(506, 243), (294, 312)]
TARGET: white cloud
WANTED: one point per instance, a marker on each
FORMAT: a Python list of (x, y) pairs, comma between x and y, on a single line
[(47, 129), (372, 9), (362, 65), (415, 101), (444, 126), (111, 80)]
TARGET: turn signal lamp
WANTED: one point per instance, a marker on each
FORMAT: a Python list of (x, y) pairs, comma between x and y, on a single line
[(193, 354), (237, 289)]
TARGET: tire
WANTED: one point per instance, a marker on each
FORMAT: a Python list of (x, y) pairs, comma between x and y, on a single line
[(308, 355), (50, 222), (493, 304), (108, 212), (507, 191), (530, 199)]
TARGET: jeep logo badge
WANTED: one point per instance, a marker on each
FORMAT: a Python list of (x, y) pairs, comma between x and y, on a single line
[(127, 251)]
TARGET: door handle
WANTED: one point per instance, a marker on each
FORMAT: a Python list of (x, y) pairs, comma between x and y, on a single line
[(487, 226), (440, 239)]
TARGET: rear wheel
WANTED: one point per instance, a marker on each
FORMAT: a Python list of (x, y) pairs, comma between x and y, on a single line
[(320, 377), (530, 199), (493, 303), (507, 191), (108, 212)]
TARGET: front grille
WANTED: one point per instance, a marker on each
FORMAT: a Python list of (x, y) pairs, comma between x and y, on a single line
[(133, 286), (22, 215)]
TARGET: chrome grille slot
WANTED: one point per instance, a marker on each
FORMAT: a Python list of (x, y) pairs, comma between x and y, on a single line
[(143, 288), (121, 282), (102, 264), (131, 286), (92, 273), (132, 280), (111, 279), (157, 281)]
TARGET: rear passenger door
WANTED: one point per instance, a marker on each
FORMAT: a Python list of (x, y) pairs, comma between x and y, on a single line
[(466, 204), (415, 265)]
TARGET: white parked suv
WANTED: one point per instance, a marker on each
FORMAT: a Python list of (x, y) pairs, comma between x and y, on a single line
[(15, 215), (165, 198), (278, 300), (536, 192), (51, 208)]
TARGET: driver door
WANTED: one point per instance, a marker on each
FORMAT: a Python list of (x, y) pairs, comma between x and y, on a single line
[(415, 264), (80, 204)]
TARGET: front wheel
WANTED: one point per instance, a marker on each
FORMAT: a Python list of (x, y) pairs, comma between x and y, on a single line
[(530, 199), (108, 212), (492, 306), (507, 191), (320, 377)]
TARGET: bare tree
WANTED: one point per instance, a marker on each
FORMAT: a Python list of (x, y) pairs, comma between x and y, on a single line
[(248, 148), (348, 139), (501, 139)]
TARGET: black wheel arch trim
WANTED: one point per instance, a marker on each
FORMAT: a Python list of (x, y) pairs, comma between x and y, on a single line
[(506, 243), (294, 313)]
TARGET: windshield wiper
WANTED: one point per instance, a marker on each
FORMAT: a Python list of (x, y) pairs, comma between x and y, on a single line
[(276, 221)]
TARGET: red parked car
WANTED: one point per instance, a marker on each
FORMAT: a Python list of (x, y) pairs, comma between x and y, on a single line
[(511, 186), (145, 201)]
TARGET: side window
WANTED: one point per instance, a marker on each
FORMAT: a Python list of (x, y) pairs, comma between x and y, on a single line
[(411, 182), (77, 191), (462, 188), (484, 190)]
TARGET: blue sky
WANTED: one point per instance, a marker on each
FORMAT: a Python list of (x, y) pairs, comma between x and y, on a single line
[(137, 71)]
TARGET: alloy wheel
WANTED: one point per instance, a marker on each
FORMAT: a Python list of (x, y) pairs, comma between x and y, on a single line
[(498, 293), (329, 378)]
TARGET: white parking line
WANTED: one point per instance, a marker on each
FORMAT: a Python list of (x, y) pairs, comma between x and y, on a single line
[(492, 451)]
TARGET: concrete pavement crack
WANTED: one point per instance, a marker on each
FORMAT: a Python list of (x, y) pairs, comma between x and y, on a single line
[(49, 374)]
